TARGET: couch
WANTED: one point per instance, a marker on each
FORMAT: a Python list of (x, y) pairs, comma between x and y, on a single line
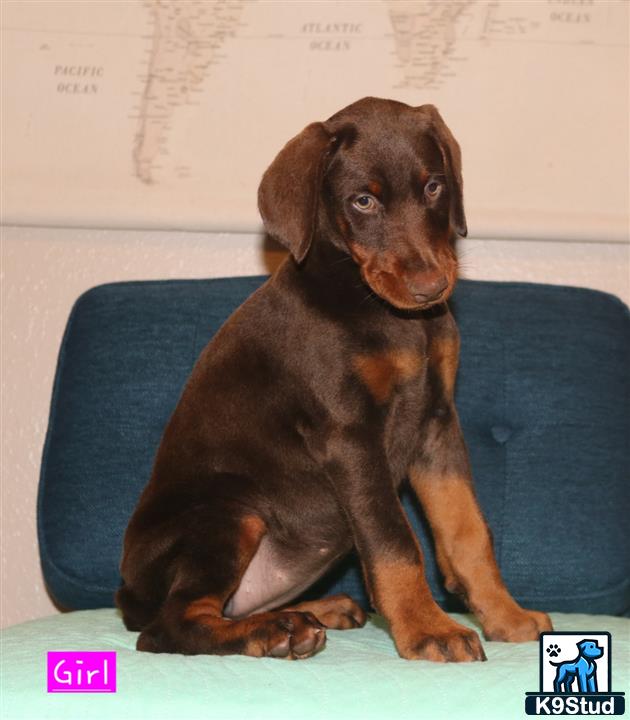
[(543, 395)]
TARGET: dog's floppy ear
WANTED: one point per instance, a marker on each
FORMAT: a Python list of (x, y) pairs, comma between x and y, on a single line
[(288, 195), (452, 157)]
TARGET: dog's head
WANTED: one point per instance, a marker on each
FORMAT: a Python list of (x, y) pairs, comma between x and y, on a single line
[(382, 181), (590, 649)]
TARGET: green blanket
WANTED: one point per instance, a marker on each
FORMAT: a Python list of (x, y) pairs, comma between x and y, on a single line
[(358, 675)]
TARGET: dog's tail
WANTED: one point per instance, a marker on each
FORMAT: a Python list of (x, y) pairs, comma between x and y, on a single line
[(562, 662)]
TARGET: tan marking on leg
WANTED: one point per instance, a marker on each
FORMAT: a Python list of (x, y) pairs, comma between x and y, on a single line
[(381, 372), (402, 594), (204, 607), (339, 612), (461, 536), (421, 629), (466, 557)]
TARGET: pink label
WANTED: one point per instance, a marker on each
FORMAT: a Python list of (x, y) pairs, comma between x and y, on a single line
[(82, 672)]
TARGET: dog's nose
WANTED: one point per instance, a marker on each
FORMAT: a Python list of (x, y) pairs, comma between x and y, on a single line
[(426, 287)]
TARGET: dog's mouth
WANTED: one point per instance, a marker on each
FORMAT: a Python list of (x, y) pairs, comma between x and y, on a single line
[(388, 277), (404, 295)]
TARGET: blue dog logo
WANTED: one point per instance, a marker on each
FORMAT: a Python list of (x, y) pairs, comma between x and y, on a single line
[(575, 687), (583, 669)]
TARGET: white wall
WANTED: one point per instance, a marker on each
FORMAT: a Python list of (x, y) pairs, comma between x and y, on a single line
[(44, 271)]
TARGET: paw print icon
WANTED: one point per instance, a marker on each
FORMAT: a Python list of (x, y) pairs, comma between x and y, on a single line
[(553, 650)]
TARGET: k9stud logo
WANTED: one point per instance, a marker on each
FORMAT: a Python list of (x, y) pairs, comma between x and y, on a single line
[(575, 672), (86, 672)]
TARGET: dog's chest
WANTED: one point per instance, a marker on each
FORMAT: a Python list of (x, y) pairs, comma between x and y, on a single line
[(420, 395), (390, 374)]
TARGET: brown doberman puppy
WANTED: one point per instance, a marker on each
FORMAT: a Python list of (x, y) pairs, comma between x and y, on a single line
[(303, 416)]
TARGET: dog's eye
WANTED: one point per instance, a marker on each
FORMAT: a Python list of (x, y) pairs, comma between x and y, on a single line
[(432, 188), (365, 203)]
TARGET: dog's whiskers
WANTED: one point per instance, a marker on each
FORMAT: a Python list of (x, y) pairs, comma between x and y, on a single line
[(371, 296), (343, 259)]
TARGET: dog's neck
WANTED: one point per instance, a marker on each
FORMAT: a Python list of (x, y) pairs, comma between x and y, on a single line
[(335, 281), (331, 280)]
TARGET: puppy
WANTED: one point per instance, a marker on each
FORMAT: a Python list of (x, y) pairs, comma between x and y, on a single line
[(317, 399)]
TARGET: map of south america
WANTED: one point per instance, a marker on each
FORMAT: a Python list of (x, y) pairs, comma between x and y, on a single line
[(187, 38)]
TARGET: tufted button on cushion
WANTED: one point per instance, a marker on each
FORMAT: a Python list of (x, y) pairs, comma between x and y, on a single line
[(501, 433)]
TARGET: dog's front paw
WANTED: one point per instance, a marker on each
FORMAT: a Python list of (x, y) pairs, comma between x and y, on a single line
[(518, 626), (343, 614), (453, 644), (290, 635)]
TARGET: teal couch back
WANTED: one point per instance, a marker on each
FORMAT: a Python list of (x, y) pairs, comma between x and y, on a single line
[(542, 393)]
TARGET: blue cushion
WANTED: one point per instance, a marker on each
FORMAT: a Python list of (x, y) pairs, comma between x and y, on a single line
[(542, 393)]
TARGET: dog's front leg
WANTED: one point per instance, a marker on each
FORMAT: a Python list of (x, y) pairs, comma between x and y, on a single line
[(442, 481), (392, 563), (441, 478)]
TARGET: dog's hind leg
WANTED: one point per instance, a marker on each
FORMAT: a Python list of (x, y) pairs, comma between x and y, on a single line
[(561, 683), (205, 575), (135, 614)]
